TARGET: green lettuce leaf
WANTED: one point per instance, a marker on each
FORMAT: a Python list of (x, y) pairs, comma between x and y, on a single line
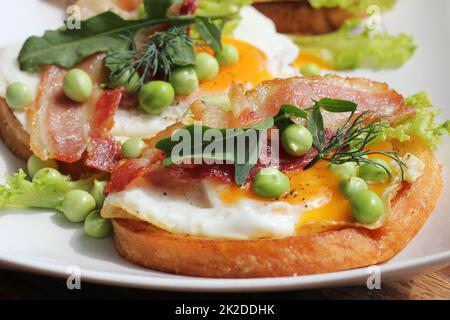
[(223, 7), (356, 6), (345, 50), (220, 7), (423, 124), (45, 192)]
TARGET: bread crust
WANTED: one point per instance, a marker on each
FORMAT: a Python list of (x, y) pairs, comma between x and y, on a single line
[(150, 247), (12, 133), (298, 17)]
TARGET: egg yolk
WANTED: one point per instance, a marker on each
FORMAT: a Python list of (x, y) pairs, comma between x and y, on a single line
[(251, 69), (308, 186), (306, 58)]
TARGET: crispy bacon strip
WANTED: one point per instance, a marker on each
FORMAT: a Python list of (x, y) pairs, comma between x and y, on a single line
[(265, 100), (105, 109), (129, 170), (102, 153), (188, 7), (62, 129)]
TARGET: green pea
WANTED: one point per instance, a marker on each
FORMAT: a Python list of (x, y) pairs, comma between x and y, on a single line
[(155, 96), (77, 205), (367, 206), (352, 185), (97, 192), (132, 148), (184, 80), (373, 173), (97, 227), (34, 164), (77, 85), (344, 170), (48, 174), (271, 183), (18, 95), (310, 69), (296, 140), (129, 80), (228, 55), (206, 66)]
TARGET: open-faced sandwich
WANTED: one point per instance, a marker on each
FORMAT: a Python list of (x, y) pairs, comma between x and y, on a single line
[(339, 34), (190, 134)]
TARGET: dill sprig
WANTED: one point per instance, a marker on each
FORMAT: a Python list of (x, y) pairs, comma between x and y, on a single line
[(165, 50), (351, 143), (158, 56)]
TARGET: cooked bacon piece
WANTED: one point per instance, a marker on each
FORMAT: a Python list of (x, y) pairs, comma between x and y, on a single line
[(225, 172), (185, 173), (129, 170), (61, 128), (105, 109), (102, 153), (125, 173), (188, 7), (265, 100)]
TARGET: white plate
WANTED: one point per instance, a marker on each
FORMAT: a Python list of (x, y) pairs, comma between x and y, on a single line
[(44, 242)]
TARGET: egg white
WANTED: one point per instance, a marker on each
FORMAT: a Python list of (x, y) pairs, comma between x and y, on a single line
[(196, 209)]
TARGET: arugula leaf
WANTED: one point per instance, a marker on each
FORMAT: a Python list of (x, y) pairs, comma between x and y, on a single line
[(106, 32), (209, 32), (316, 127), (337, 105), (242, 171), (199, 146), (179, 49), (288, 111), (222, 156)]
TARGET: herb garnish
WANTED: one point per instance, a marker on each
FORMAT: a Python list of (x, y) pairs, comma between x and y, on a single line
[(244, 159), (164, 50), (349, 143), (351, 140), (107, 32)]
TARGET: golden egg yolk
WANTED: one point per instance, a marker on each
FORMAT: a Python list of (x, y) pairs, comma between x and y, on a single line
[(315, 184), (251, 69), (306, 58)]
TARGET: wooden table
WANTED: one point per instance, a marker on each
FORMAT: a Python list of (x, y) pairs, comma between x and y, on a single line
[(15, 285)]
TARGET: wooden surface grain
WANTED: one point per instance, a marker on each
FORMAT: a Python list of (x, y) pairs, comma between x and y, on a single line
[(17, 285)]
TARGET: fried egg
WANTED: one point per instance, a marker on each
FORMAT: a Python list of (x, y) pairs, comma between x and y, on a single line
[(207, 208), (216, 210), (263, 55)]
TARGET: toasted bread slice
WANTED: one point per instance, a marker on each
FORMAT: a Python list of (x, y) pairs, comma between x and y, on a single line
[(148, 246), (12, 132), (298, 17)]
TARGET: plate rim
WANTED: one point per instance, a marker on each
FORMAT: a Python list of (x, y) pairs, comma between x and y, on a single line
[(192, 284)]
